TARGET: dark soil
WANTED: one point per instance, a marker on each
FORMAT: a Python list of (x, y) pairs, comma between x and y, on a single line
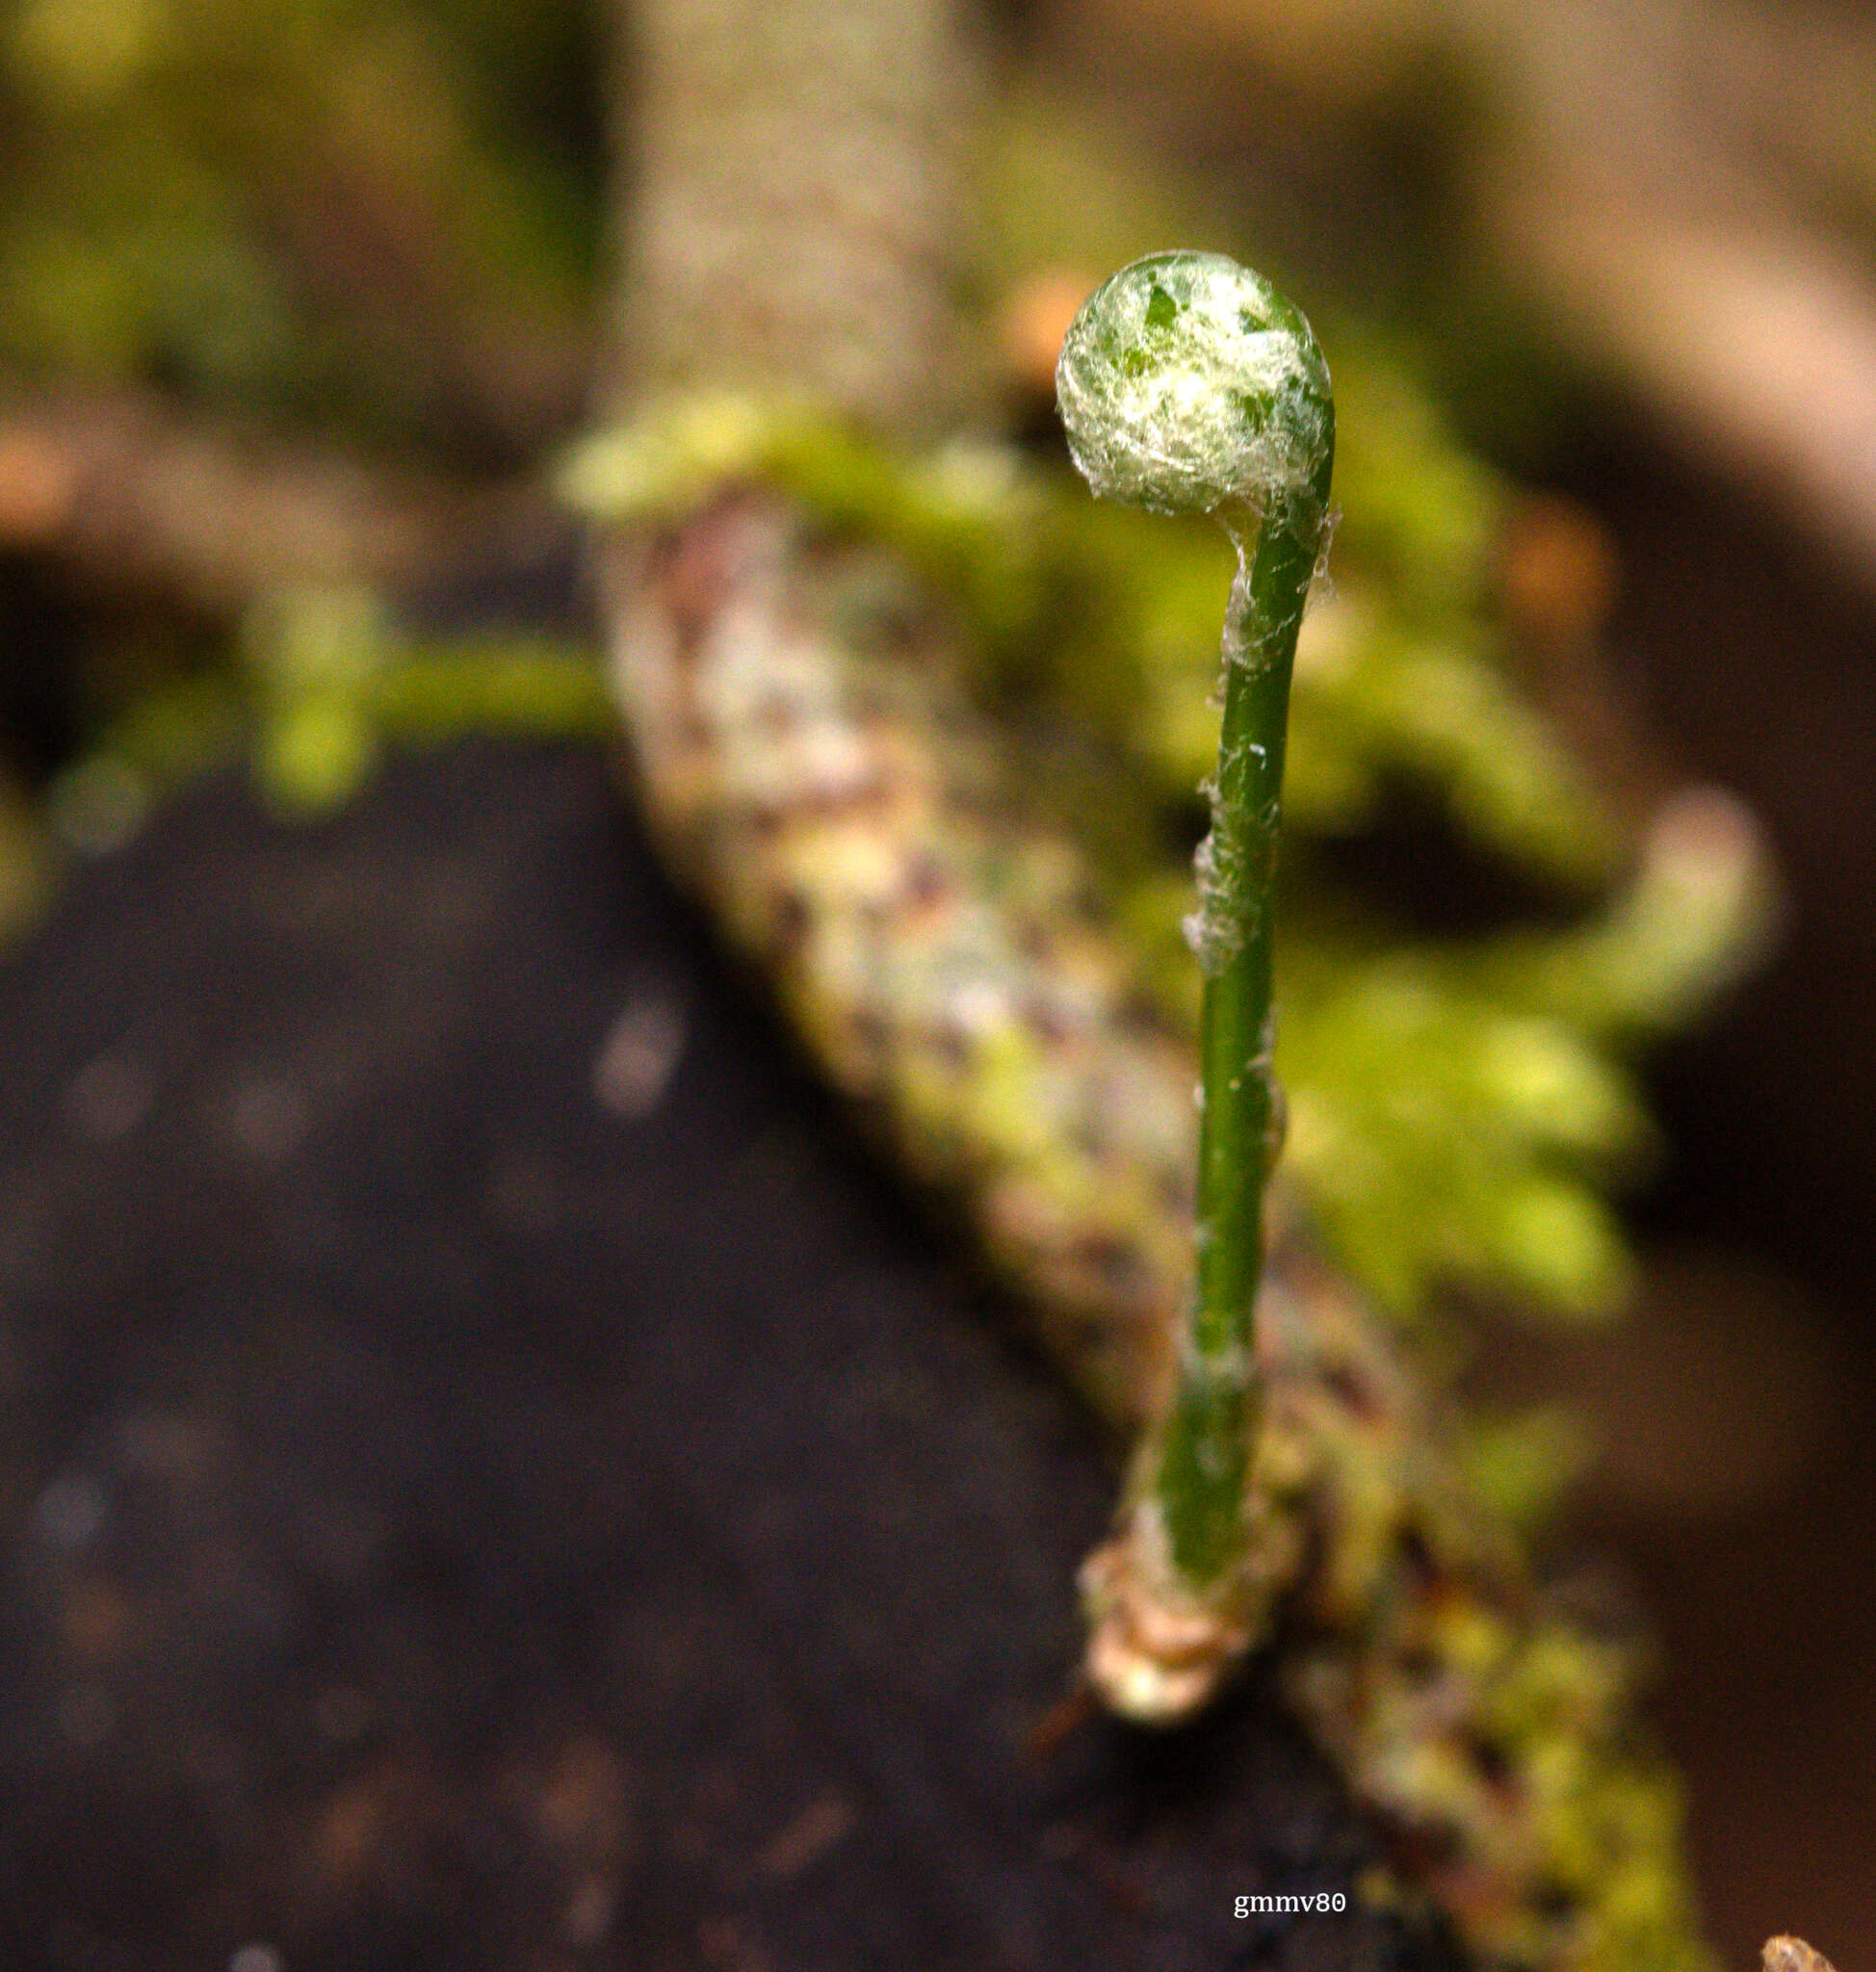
[(470, 1501)]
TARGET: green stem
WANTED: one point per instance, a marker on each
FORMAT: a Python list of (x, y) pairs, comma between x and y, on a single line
[(1204, 1451)]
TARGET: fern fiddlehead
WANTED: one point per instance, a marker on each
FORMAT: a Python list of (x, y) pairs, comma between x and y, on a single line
[(1188, 384)]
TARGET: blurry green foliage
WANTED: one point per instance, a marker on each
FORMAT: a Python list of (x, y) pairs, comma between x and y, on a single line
[(327, 681), (337, 682), (384, 213)]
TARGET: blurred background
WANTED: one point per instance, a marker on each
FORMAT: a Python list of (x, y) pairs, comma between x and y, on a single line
[(302, 307)]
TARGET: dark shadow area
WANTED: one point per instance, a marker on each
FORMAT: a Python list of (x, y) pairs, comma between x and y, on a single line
[(1739, 1479), (492, 1478)]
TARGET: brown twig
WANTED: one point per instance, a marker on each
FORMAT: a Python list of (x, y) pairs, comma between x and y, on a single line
[(137, 497)]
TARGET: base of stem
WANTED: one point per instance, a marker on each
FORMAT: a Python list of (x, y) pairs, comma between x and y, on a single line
[(1159, 1648)]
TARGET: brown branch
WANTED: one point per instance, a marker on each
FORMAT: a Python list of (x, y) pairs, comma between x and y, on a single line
[(137, 499)]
